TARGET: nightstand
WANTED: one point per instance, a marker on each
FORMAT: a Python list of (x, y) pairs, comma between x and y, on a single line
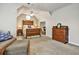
[(19, 32)]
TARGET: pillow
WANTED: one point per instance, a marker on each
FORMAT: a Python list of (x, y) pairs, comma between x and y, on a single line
[(5, 36), (29, 26)]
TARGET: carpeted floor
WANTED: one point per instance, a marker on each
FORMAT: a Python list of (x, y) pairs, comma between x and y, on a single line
[(46, 46), (19, 47)]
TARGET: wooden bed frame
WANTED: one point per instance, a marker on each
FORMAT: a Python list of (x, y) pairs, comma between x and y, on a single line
[(3, 49), (31, 31), (27, 22)]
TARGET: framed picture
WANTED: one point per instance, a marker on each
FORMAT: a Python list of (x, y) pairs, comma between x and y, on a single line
[(59, 25)]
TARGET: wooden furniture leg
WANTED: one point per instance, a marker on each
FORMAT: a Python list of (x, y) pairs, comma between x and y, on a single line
[(2, 51)]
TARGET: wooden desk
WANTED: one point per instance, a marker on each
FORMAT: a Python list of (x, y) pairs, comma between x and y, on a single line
[(33, 31)]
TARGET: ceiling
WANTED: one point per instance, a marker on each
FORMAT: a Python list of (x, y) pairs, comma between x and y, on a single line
[(40, 6), (47, 6)]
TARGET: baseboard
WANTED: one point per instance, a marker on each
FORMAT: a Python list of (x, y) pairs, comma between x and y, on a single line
[(72, 43)]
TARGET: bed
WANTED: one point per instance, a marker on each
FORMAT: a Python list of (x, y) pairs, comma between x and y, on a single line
[(5, 44), (29, 29), (6, 39)]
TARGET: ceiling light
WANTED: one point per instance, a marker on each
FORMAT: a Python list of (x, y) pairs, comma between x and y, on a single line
[(28, 17)]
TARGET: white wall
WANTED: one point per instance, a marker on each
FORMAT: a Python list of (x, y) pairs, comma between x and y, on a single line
[(69, 16), (44, 16), (8, 17)]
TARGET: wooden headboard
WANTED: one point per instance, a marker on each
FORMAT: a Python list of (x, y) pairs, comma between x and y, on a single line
[(27, 22)]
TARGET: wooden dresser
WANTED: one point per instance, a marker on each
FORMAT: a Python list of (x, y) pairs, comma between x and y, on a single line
[(60, 34), (33, 31)]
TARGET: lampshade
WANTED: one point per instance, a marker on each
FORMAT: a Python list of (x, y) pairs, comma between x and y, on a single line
[(19, 26)]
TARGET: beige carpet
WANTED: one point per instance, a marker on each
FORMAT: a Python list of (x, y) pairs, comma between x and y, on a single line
[(43, 46), (46, 46), (18, 47)]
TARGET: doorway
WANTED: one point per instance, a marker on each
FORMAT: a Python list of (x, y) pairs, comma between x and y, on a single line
[(43, 27)]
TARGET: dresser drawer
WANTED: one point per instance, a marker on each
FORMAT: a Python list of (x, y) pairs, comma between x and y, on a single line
[(58, 31)]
